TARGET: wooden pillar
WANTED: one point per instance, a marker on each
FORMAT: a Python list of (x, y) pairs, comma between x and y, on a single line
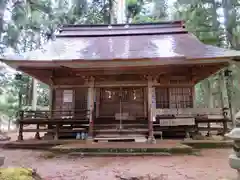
[(145, 98), (97, 101), (56, 137), (51, 104), (194, 103), (34, 105), (37, 135), (151, 138), (34, 94), (52, 99), (91, 106)]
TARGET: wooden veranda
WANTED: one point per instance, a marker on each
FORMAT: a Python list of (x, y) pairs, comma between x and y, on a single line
[(135, 79)]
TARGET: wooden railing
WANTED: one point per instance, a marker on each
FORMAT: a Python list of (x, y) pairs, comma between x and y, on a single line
[(193, 117), (53, 121), (63, 114), (191, 112)]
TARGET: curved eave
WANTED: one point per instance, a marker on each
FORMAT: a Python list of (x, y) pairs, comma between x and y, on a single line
[(83, 64)]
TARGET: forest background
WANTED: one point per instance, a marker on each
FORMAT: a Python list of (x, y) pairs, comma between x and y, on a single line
[(27, 25)]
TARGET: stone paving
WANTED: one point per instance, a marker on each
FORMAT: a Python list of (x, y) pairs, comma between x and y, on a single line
[(211, 165)]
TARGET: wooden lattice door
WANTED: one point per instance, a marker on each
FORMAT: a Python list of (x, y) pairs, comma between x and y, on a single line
[(81, 101), (109, 102), (121, 100), (133, 101), (179, 97)]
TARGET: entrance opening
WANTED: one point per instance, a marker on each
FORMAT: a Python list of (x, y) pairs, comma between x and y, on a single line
[(123, 103)]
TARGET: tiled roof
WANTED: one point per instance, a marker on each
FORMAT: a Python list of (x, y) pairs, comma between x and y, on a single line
[(103, 42)]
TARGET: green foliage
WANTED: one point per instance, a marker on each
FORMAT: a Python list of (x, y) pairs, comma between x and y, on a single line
[(18, 174), (32, 23), (160, 9), (144, 19), (203, 20), (134, 7)]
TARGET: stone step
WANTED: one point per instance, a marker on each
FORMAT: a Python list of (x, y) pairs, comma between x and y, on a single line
[(118, 137), (113, 154)]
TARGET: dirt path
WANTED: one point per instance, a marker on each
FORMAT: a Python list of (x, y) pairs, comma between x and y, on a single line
[(212, 165)]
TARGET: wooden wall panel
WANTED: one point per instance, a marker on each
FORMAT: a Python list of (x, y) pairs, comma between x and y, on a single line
[(70, 99), (63, 104), (58, 94), (174, 97), (81, 98), (162, 97), (69, 81)]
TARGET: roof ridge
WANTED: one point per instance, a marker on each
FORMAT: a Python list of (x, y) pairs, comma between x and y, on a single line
[(126, 34), (117, 28), (180, 22)]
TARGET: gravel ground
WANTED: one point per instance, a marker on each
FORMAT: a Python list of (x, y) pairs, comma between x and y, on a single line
[(211, 165)]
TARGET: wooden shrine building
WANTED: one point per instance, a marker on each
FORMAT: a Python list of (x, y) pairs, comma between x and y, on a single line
[(133, 79)]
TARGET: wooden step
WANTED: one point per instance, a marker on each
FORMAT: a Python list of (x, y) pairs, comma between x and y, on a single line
[(109, 125), (114, 121), (102, 135), (124, 126), (130, 130), (80, 125), (117, 137)]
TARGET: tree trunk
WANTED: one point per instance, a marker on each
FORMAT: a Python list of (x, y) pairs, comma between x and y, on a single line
[(29, 91), (111, 12), (19, 100), (2, 10), (160, 9), (34, 95), (121, 12), (216, 23), (230, 20), (9, 124)]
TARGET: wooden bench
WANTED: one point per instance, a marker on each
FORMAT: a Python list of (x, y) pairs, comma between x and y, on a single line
[(190, 118), (54, 124), (209, 116)]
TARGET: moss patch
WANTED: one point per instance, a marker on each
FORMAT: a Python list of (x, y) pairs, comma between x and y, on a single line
[(47, 155), (211, 144), (18, 174), (38, 144), (79, 154), (178, 149)]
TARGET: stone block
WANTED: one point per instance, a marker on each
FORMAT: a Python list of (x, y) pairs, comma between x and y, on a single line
[(2, 158), (48, 136), (151, 140), (140, 139), (234, 161)]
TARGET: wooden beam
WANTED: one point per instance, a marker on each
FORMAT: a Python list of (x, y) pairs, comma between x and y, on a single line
[(202, 73), (138, 62), (41, 75), (108, 85)]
